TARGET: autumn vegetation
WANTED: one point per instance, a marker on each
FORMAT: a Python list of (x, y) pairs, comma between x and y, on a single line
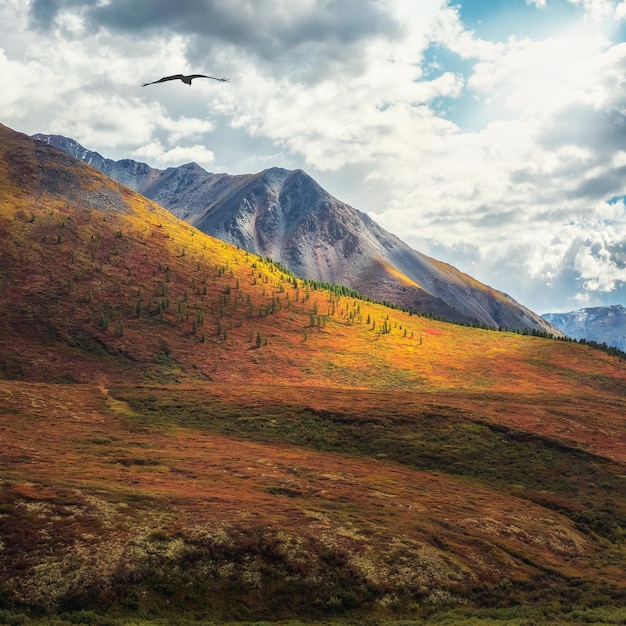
[(190, 433)]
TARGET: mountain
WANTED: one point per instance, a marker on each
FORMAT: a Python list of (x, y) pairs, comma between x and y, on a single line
[(191, 434), (286, 216), (605, 324)]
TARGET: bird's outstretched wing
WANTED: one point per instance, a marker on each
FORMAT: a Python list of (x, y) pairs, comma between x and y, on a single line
[(165, 78), (221, 80)]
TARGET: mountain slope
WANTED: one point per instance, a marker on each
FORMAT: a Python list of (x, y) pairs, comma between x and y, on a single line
[(287, 216), (90, 267), (600, 324), (247, 445)]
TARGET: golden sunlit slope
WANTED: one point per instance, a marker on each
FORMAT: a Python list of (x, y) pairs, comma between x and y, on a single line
[(109, 286), (243, 444)]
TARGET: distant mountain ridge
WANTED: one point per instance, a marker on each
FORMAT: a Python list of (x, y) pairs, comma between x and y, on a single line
[(287, 216), (605, 324)]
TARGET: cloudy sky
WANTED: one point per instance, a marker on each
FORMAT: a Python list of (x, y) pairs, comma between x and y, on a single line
[(490, 134)]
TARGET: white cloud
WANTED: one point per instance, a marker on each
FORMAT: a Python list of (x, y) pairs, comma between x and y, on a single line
[(156, 154), (448, 30), (538, 78), (620, 11)]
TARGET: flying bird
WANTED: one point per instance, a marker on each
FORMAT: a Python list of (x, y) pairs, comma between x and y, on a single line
[(186, 79)]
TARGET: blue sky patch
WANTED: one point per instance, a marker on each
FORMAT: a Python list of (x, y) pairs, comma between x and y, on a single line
[(498, 20)]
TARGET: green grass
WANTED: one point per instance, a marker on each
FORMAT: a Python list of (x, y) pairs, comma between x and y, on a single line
[(518, 616)]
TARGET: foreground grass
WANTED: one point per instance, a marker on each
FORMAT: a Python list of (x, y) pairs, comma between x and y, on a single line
[(220, 502), (524, 616)]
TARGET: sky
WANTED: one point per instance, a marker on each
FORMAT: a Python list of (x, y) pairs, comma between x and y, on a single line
[(489, 134)]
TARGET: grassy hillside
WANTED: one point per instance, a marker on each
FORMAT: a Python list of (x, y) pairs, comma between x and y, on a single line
[(123, 290), (188, 432)]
